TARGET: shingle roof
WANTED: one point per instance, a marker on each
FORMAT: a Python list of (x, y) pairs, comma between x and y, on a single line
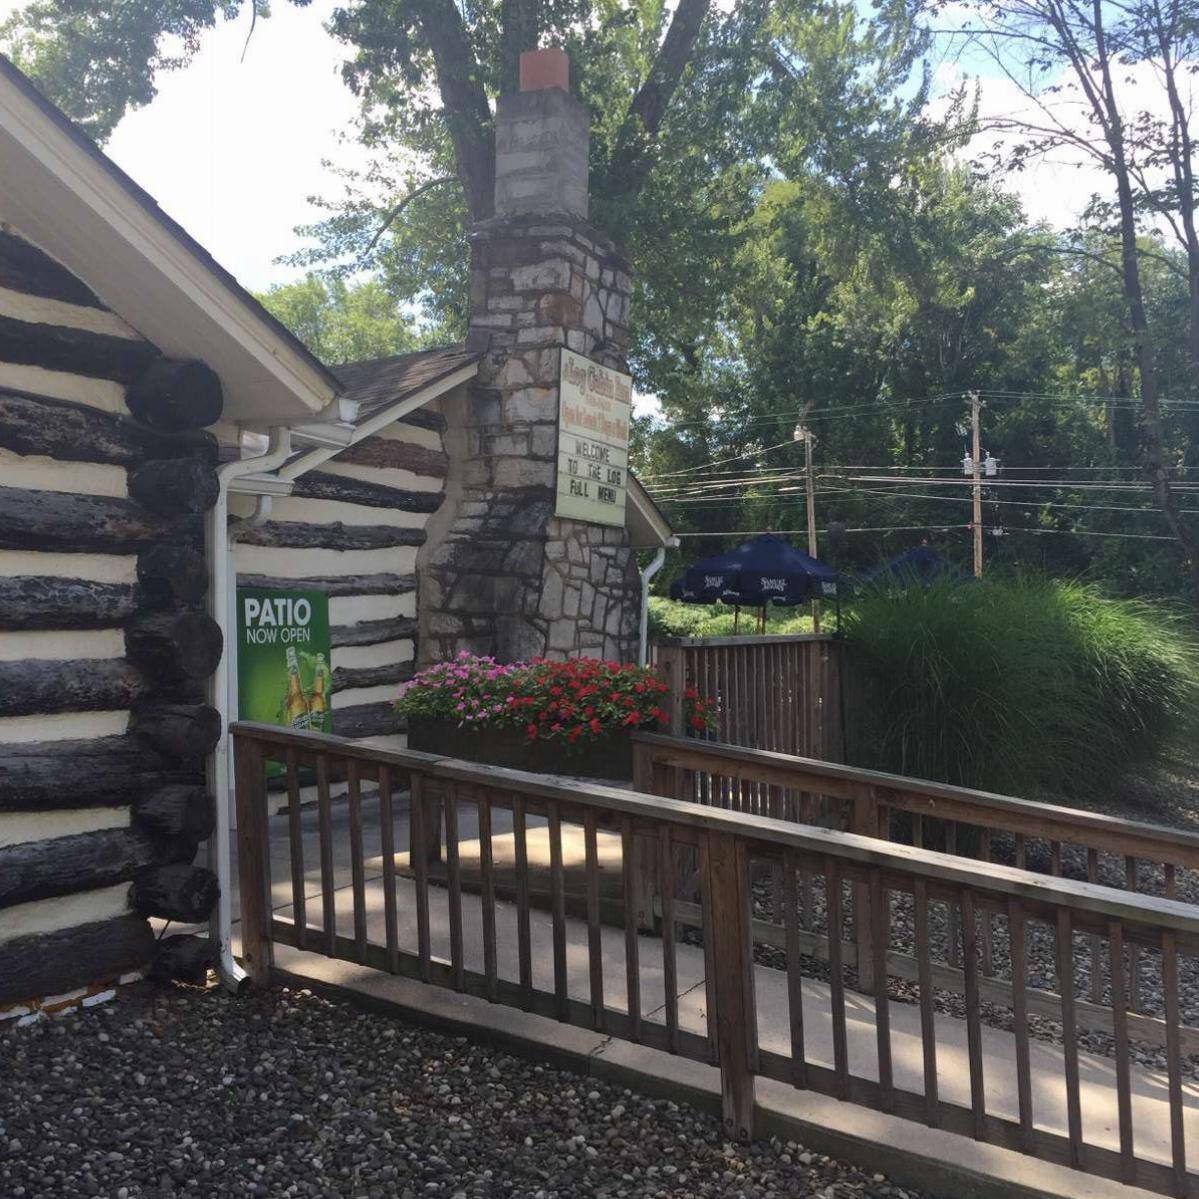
[(379, 381)]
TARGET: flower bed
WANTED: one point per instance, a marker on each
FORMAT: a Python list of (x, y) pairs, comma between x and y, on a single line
[(549, 716)]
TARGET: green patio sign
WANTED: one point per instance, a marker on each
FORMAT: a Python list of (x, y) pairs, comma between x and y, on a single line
[(284, 662)]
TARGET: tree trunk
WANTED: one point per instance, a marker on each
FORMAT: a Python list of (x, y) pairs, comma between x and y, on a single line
[(1155, 463)]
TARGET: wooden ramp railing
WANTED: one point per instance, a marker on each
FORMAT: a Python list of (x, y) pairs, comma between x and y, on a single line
[(984, 827), (777, 692), (581, 973)]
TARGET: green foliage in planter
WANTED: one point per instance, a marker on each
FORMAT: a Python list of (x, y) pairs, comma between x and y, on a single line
[(1028, 686)]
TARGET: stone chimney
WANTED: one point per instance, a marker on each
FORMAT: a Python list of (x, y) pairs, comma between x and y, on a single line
[(502, 574)]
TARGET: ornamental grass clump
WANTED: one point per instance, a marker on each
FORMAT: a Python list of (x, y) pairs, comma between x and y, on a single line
[(577, 702), (1029, 686)]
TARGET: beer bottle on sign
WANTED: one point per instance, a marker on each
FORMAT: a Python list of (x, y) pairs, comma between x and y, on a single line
[(318, 703), (296, 708)]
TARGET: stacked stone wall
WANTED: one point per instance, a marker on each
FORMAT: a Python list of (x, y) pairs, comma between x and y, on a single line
[(510, 578)]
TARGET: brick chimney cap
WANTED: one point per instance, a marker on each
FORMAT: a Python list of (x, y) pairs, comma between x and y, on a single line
[(544, 68)]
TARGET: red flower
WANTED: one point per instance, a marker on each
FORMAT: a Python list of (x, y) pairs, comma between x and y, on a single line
[(594, 726), (697, 722)]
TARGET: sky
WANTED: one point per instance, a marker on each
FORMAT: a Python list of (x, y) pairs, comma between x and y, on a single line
[(232, 149)]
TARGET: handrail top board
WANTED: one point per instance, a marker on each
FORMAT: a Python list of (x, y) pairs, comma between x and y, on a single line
[(866, 851), (901, 785), (742, 639)]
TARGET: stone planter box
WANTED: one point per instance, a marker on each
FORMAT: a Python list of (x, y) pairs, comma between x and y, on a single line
[(609, 758)]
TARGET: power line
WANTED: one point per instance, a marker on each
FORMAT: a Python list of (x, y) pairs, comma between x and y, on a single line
[(804, 532)]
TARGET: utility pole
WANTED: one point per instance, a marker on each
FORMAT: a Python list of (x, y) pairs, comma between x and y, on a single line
[(976, 454), (810, 488)]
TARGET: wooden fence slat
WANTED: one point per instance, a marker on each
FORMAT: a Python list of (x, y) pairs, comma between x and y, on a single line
[(799, 1069), (357, 857), (388, 848), (524, 938), (1065, 986), (324, 812), (928, 1023), (1178, 1149), (453, 874), (595, 946), (670, 980), (631, 958), (832, 886), (295, 833), (1132, 883), (974, 1035), (1096, 958), (1115, 941), (880, 916), (1016, 941), (558, 911), (487, 886), (419, 858)]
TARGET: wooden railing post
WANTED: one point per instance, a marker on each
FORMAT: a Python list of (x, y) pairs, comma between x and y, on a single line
[(253, 857), (670, 667), (864, 821), (727, 921)]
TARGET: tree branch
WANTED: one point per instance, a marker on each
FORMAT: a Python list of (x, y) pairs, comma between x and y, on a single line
[(464, 101), (398, 208), (642, 122)]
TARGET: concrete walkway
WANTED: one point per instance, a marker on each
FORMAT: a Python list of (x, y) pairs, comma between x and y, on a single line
[(1150, 1105)]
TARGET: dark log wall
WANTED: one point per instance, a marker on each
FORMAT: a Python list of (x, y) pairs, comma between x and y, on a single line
[(105, 646), (352, 529)]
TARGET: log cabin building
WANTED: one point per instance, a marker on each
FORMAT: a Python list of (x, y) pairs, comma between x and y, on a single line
[(163, 439)]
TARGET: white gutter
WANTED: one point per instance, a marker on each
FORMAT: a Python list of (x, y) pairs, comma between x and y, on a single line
[(647, 575), (220, 847)]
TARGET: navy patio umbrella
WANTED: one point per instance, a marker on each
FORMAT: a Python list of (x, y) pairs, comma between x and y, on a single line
[(764, 570)]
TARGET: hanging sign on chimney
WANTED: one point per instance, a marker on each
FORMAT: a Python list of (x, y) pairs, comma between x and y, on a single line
[(594, 407)]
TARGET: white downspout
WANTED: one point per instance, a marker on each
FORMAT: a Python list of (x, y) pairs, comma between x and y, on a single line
[(220, 846), (646, 576)]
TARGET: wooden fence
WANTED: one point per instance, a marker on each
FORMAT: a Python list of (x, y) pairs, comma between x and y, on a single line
[(731, 849), (985, 827), (779, 693)]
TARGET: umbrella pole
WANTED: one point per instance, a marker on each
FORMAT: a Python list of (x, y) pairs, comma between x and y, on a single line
[(736, 619)]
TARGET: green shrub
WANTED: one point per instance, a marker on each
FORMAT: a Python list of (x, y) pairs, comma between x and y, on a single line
[(1028, 686), (669, 618)]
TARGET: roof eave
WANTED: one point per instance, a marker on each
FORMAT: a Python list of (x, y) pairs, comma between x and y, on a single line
[(68, 197)]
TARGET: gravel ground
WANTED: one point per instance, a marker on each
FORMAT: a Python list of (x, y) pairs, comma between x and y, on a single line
[(180, 1092)]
